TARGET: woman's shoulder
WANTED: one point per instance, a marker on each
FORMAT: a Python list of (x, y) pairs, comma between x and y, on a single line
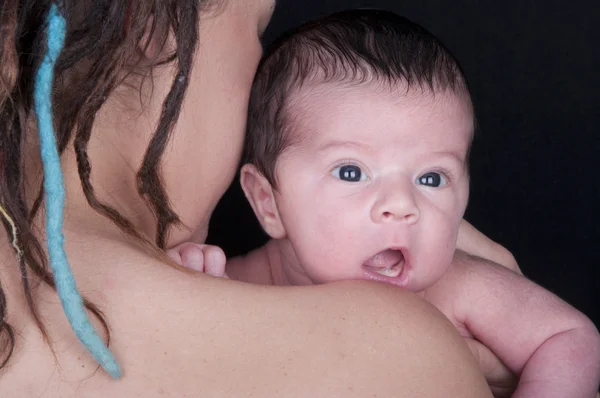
[(203, 335), (176, 334)]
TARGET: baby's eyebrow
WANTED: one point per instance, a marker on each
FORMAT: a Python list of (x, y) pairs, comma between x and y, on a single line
[(456, 156), (342, 144)]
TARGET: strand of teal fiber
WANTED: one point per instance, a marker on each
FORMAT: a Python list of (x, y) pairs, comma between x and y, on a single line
[(55, 198)]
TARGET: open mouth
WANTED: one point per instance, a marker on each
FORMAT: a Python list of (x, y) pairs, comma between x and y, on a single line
[(388, 263)]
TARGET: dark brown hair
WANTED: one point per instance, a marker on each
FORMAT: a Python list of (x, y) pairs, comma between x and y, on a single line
[(104, 45), (357, 47)]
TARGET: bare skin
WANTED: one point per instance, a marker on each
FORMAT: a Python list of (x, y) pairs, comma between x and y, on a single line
[(175, 334), (553, 331), (251, 268), (471, 241), (252, 339)]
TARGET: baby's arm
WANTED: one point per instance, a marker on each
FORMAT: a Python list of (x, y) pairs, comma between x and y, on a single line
[(202, 258), (553, 348), (472, 241)]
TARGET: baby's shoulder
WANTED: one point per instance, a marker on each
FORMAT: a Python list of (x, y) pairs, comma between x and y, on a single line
[(468, 274), (472, 281), (478, 270)]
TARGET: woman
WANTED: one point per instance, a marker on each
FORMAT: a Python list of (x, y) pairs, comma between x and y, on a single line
[(122, 73)]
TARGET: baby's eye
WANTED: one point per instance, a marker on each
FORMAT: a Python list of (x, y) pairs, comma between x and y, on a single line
[(432, 179), (349, 172)]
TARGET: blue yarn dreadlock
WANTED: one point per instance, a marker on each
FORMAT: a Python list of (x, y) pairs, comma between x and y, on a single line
[(55, 198)]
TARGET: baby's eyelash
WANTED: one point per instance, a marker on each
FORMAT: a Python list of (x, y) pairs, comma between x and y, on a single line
[(445, 172), (345, 162)]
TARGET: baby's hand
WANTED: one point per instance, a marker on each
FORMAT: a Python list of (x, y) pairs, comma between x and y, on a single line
[(203, 258)]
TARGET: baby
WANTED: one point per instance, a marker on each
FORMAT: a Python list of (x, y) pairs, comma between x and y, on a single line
[(359, 131)]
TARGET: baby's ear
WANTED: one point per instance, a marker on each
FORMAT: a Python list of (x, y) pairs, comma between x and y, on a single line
[(262, 199)]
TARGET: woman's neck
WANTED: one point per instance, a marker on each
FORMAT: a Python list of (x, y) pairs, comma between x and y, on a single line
[(114, 164)]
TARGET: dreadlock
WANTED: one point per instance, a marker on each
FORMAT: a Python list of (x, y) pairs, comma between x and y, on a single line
[(102, 48)]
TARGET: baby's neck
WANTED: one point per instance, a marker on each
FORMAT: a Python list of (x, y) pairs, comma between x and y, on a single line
[(275, 263), (285, 267)]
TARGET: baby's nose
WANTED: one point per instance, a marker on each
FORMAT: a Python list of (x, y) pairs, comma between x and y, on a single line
[(397, 203)]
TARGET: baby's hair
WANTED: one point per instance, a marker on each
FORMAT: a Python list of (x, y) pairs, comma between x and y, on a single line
[(349, 47), (103, 47)]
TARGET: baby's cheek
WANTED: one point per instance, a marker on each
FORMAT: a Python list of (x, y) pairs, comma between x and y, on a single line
[(332, 237), (447, 237), (437, 242), (339, 225)]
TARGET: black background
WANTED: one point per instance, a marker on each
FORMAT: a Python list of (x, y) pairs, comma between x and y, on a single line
[(533, 67)]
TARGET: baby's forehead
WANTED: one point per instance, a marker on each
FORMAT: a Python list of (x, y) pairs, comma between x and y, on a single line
[(318, 106), (312, 95)]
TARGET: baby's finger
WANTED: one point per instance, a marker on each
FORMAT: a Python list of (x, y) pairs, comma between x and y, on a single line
[(192, 257), (175, 256), (214, 261)]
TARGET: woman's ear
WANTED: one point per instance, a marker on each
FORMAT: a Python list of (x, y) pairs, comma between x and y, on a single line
[(154, 39), (148, 45), (262, 199)]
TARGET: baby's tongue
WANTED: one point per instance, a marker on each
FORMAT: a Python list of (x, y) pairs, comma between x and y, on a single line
[(384, 259)]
